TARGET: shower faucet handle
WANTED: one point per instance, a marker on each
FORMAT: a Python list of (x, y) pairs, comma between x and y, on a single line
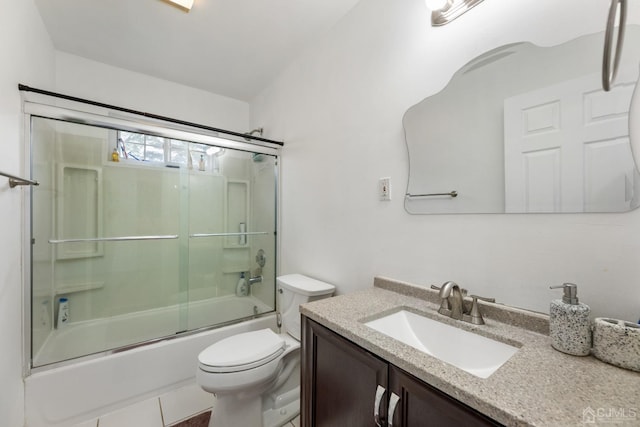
[(261, 258)]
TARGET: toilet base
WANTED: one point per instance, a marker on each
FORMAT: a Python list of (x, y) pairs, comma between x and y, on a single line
[(279, 417), (234, 411)]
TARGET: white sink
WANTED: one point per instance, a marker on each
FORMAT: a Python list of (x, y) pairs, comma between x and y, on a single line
[(473, 353)]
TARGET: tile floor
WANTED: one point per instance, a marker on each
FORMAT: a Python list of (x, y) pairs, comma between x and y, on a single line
[(188, 406)]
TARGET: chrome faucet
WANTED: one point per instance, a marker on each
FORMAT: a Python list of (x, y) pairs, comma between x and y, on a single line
[(452, 304)]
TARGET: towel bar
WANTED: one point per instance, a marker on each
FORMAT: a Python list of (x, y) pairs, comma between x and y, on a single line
[(14, 180), (450, 194)]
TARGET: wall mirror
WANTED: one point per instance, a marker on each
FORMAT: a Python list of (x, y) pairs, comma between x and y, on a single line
[(524, 128)]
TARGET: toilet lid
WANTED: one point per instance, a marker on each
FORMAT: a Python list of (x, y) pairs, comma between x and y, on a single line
[(245, 350)]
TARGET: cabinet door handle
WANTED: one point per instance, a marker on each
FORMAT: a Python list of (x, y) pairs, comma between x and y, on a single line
[(393, 403), (376, 406)]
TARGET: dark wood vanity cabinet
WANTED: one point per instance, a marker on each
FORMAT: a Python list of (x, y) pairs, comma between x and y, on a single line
[(340, 383), (422, 405)]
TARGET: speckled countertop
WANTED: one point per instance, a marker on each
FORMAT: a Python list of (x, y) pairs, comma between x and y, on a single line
[(538, 386)]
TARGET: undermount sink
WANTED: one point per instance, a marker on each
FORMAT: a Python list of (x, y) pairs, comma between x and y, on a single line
[(478, 355)]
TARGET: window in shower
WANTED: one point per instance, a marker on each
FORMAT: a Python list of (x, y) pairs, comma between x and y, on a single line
[(141, 147), (148, 148), (148, 249)]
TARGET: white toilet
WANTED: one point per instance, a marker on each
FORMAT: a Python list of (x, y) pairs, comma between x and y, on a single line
[(256, 375)]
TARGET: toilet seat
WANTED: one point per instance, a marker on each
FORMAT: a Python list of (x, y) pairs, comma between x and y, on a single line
[(242, 352)]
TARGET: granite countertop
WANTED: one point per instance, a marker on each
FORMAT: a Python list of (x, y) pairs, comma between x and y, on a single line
[(538, 386)]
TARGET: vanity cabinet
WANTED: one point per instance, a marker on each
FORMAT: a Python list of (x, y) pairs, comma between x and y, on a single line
[(345, 385)]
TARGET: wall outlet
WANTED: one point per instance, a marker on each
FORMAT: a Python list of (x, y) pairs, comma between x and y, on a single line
[(384, 189)]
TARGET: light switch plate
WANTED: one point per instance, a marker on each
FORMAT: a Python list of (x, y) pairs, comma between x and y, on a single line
[(384, 189)]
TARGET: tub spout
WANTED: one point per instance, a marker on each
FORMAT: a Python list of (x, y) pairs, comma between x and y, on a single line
[(254, 280)]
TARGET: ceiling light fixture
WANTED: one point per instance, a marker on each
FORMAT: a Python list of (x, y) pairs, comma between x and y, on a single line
[(436, 4), (185, 5), (445, 11)]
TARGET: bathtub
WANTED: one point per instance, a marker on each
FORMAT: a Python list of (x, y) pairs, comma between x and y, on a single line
[(89, 387), (95, 336)]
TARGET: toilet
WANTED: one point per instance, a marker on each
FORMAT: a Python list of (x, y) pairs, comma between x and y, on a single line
[(256, 375)]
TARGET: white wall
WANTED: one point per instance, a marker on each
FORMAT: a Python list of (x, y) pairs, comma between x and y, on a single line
[(84, 78), (27, 57), (339, 109)]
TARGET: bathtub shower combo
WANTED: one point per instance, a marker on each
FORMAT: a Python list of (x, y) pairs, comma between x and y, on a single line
[(140, 232)]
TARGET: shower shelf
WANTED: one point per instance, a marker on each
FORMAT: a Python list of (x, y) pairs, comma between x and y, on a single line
[(71, 288), (79, 206)]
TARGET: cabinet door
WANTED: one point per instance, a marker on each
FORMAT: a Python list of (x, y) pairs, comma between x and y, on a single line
[(422, 405), (339, 380)]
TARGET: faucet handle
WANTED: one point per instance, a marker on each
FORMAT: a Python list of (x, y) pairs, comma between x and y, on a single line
[(476, 297), (475, 315)]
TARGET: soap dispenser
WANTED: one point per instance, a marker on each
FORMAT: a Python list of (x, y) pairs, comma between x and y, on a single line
[(569, 323)]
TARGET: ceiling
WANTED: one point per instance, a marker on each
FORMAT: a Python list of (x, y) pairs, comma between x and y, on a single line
[(229, 47)]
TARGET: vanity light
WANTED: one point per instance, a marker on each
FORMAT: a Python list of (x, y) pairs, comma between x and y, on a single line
[(186, 5), (445, 11)]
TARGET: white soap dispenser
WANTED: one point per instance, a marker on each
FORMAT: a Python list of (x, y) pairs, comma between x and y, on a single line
[(569, 326)]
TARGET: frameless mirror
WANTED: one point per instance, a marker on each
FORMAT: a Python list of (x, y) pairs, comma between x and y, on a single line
[(524, 128)]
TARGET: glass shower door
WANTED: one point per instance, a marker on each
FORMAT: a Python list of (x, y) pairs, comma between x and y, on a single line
[(144, 237), (232, 227), (105, 241)]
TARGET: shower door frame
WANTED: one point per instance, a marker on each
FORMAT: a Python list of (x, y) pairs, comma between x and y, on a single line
[(46, 107)]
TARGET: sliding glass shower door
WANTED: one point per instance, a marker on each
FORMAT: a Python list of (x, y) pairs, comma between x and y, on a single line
[(137, 237)]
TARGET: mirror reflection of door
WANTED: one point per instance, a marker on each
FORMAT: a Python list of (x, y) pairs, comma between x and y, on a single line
[(456, 137), (567, 147)]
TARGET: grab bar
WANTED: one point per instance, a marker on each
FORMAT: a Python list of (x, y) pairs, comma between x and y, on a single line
[(114, 239), (247, 233), (450, 194), (14, 180), (608, 75)]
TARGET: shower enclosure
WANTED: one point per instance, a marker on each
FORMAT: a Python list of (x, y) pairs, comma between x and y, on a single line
[(140, 232)]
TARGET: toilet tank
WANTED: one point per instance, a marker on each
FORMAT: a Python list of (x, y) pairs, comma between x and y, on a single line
[(296, 289)]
